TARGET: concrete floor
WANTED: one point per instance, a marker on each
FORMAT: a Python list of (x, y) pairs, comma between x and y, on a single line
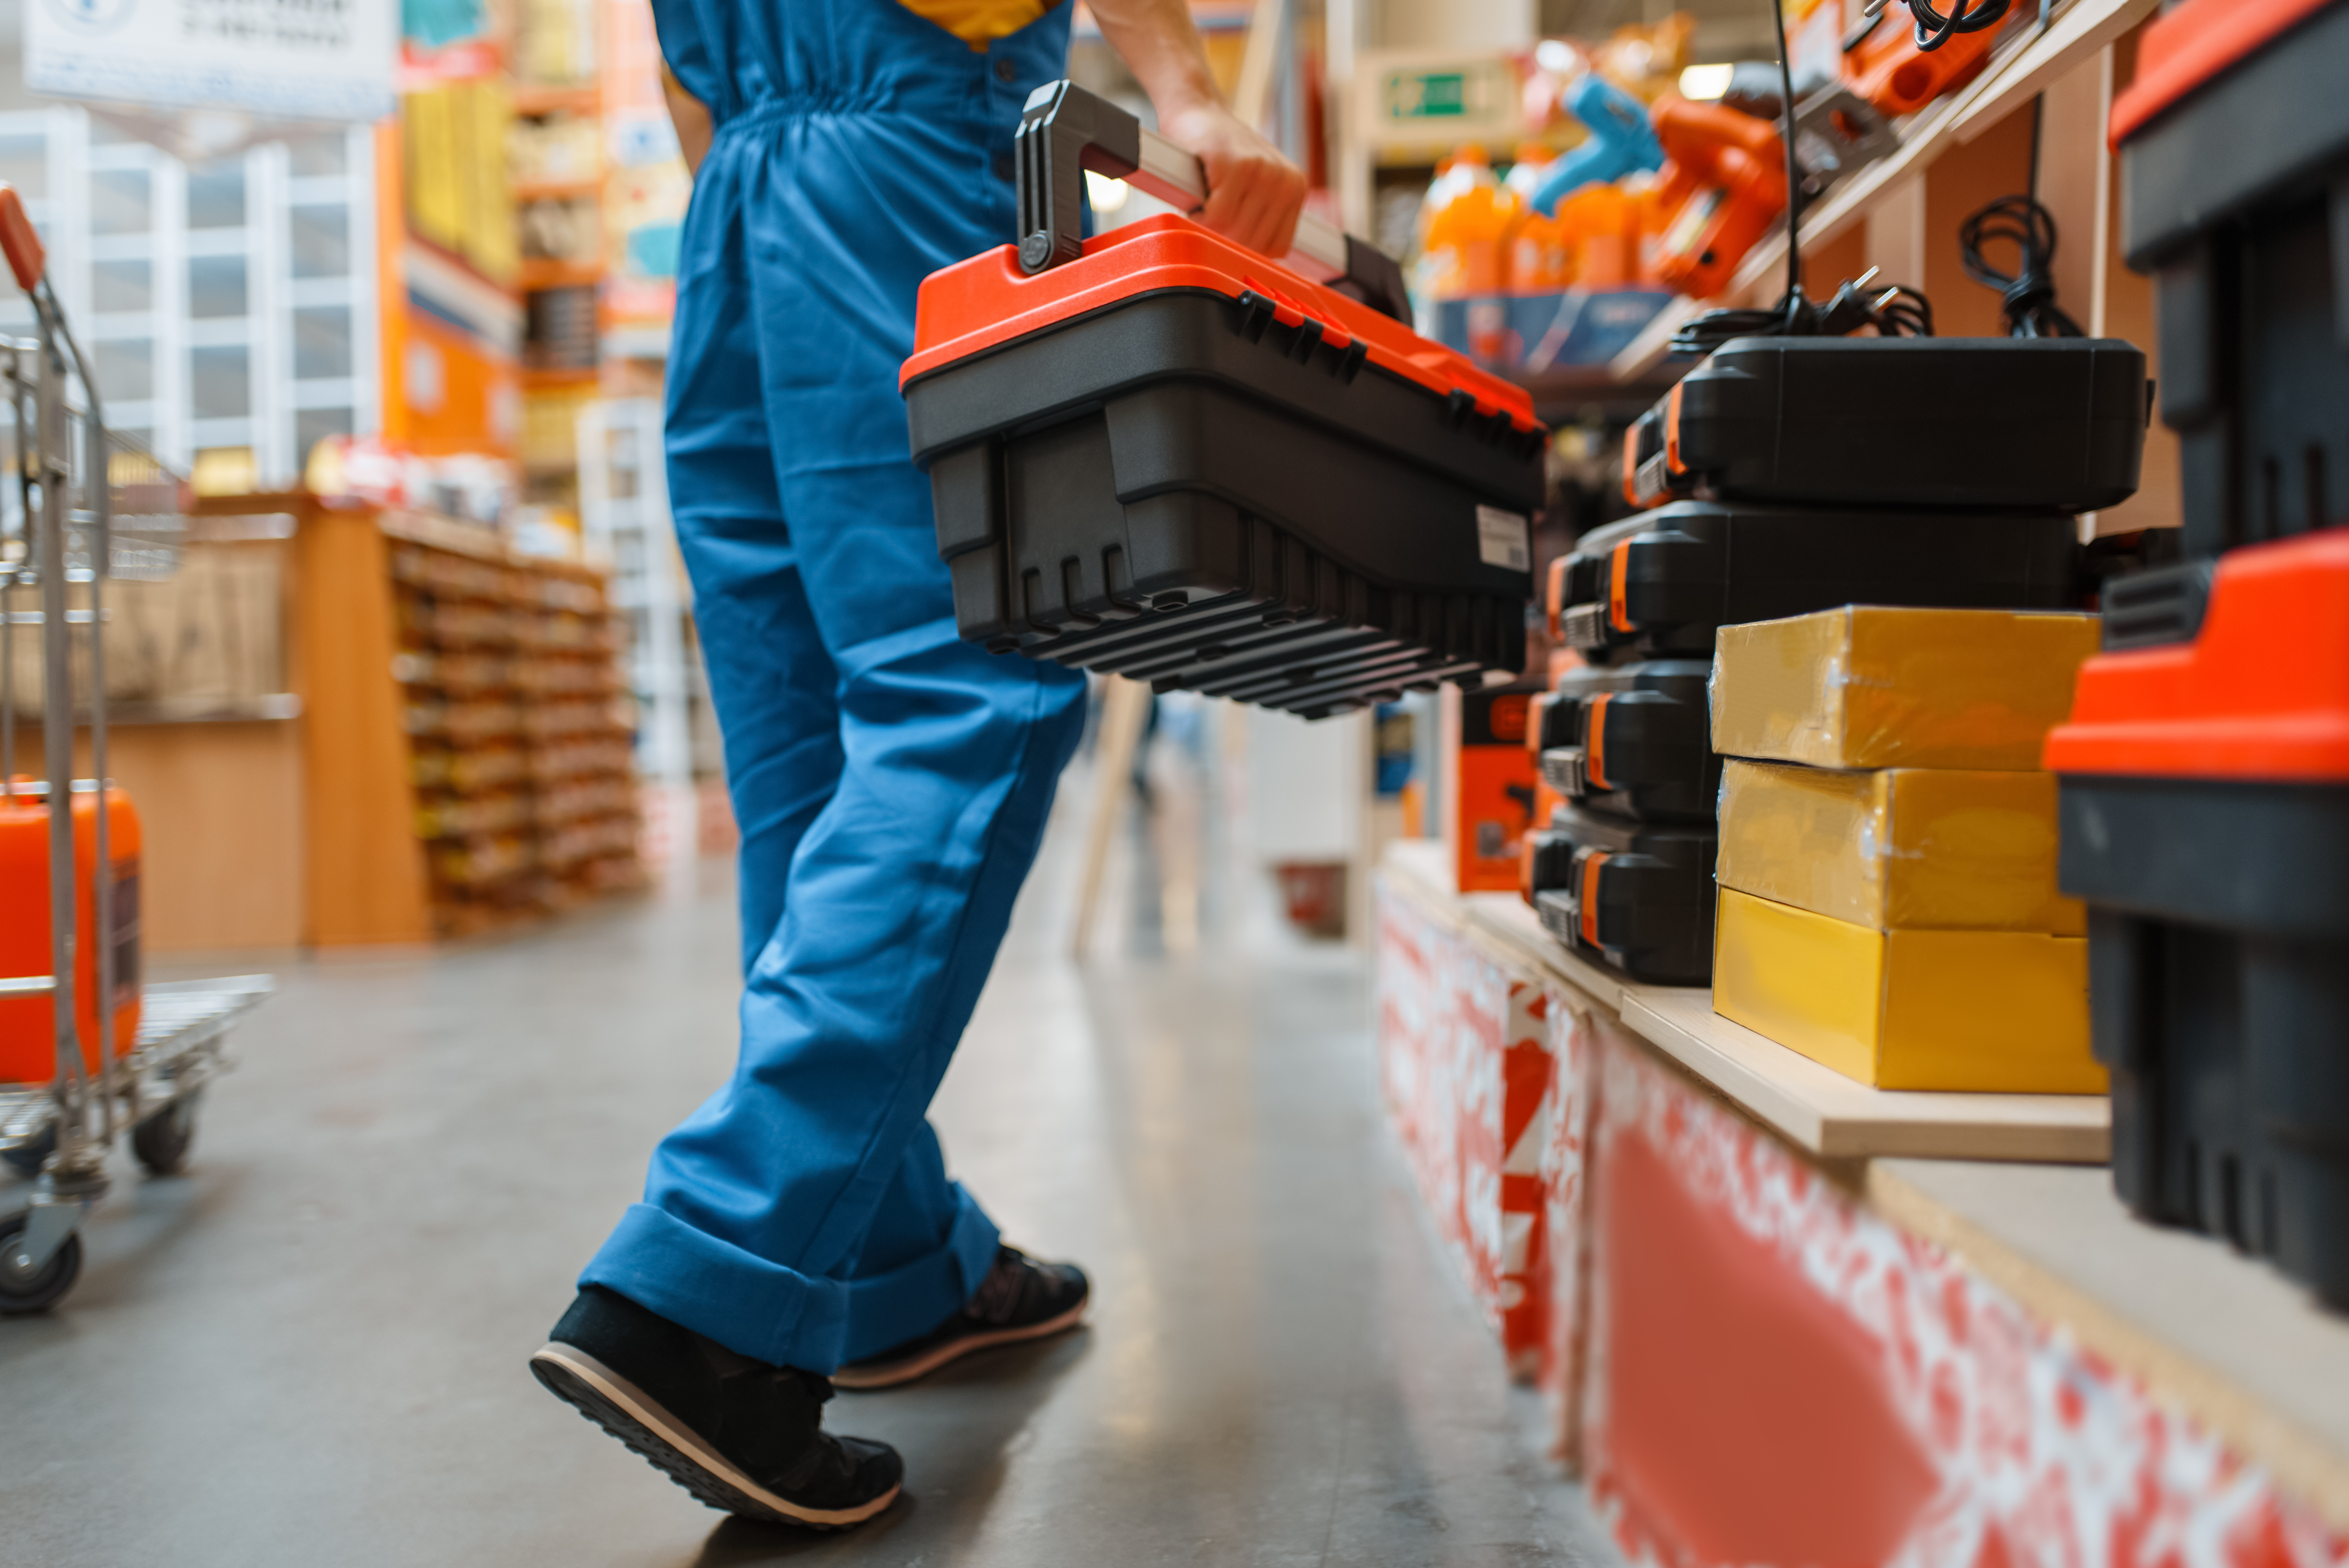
[(310, 1349)]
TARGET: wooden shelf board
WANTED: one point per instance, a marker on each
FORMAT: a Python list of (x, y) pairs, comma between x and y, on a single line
[(1813, 1106)]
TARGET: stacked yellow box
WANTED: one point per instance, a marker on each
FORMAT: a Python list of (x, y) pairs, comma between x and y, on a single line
[(1887, 846)]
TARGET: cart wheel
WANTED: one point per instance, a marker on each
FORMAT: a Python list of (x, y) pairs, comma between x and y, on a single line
[(26, 1159), (161, 1140), (35, 1290)]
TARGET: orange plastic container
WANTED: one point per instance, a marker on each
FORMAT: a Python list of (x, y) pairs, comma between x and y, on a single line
[(1541, 250), (1603, 223), (28, 1023), (1723, 186), (1465, 231)]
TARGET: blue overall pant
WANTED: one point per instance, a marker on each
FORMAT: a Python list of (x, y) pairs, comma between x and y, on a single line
[(890, 780)]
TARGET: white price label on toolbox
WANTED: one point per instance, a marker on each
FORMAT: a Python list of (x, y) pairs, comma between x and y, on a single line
[(1502, 539)]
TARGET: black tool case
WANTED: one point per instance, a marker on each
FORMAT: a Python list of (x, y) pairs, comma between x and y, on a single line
[(2204, 815), (1634, 739), (2234, 162), (1664, 582), (1166, 457), (1940, 422), (1637, 896)]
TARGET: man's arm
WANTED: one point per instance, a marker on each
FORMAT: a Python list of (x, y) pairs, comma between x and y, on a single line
[(691, 119), (1254, 193)]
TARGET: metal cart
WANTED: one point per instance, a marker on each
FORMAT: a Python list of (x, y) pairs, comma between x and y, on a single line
[(59, 533)]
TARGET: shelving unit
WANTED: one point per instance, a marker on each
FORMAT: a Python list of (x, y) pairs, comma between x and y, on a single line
[(519, 740)]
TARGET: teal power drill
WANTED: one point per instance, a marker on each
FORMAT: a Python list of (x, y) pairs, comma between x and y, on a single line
[(1621, 142)]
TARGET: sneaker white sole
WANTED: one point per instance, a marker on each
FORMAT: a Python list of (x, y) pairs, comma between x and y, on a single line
[(922, 1365), (617, 1405)]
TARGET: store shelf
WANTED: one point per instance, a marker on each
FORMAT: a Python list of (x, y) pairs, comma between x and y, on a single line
[(557, 190), (534, 99), (2076, 33), (1813, 1106), (539, 272)]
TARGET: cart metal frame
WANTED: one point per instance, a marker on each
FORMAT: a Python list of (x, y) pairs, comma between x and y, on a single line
[(62, 537)]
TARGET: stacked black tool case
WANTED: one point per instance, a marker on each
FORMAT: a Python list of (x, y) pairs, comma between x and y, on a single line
[(2205, 773), (1793, 508)]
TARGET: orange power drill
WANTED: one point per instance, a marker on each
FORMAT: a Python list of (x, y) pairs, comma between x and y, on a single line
[(1723, 183), (1882, 63)]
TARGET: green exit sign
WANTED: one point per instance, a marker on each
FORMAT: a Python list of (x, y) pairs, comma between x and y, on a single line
[(1427, 95)]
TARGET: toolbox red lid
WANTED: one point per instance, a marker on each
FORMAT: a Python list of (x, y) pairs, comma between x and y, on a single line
[(2262, 693), (987, 301), (2195, 43)]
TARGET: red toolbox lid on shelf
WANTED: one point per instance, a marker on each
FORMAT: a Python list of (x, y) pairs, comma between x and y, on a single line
[(2191, 45), (2262, 693), (987, 301)]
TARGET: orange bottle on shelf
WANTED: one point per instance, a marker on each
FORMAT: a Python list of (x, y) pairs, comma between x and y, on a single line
[(1602, 223), (1541, 257), (28, 1023), (1465, 227)]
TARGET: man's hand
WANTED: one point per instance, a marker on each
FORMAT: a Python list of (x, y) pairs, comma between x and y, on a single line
[(1254, 194)]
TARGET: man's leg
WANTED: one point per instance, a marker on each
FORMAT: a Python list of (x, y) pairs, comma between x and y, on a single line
[(757, 1209)]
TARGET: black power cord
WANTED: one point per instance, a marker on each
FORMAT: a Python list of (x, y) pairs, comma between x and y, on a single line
[(2027, 294), (1935, 29)]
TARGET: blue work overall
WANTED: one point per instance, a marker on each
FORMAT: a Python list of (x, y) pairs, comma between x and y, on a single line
[(890, 781)]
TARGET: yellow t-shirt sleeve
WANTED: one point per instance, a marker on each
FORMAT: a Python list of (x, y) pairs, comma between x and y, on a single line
[(978, 22)]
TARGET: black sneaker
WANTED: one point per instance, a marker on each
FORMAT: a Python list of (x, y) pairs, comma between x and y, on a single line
[(1019, 1299), (738, 1434)]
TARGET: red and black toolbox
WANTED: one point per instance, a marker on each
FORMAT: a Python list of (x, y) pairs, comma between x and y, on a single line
[(1634, 739), (2234, 155), (1155, 453), (2204, 812), (1664, 582), (1636, 896), (1932, 422)]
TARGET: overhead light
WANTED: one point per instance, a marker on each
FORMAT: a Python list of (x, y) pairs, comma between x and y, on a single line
[(1107, 195), (1558, 56), (1705, 82)]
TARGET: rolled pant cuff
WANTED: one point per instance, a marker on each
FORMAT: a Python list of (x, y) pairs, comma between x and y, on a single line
[(749, 1305), (887, 1310)]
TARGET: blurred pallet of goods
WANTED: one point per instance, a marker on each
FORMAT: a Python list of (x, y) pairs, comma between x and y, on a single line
[(465, 752)]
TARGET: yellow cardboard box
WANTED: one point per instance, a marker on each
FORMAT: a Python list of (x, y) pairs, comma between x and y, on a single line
[(1898, 847), (1872, 686), (1982, 1010)]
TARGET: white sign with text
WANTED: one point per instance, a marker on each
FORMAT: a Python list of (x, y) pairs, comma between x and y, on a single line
[(294, 60)]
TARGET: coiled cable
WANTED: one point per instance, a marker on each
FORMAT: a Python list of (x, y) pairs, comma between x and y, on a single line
[(1895, 311), (2027, 295), (1935, 29)]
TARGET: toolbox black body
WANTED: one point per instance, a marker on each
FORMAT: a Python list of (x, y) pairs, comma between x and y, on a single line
[(1689, 568), (2236, 199), (1633, 740), (2218, 997), (1636, 896), (1938, 422), (1150, 489)]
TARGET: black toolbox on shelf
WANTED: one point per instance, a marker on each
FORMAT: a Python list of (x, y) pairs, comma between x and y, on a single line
[(1663, 583), (1636, 896), (1940, 422), (2234, 165), (2204, 815), (1634, 739), (1169, 457)]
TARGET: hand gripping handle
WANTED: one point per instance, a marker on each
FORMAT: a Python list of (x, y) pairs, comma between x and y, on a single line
[(1065, 130)]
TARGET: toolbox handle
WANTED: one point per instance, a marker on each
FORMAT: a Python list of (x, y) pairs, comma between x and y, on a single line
[(1065, 130), (22, 245)]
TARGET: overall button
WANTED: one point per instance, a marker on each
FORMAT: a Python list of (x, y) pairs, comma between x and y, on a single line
[(1003, 166), (1007, 70)]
